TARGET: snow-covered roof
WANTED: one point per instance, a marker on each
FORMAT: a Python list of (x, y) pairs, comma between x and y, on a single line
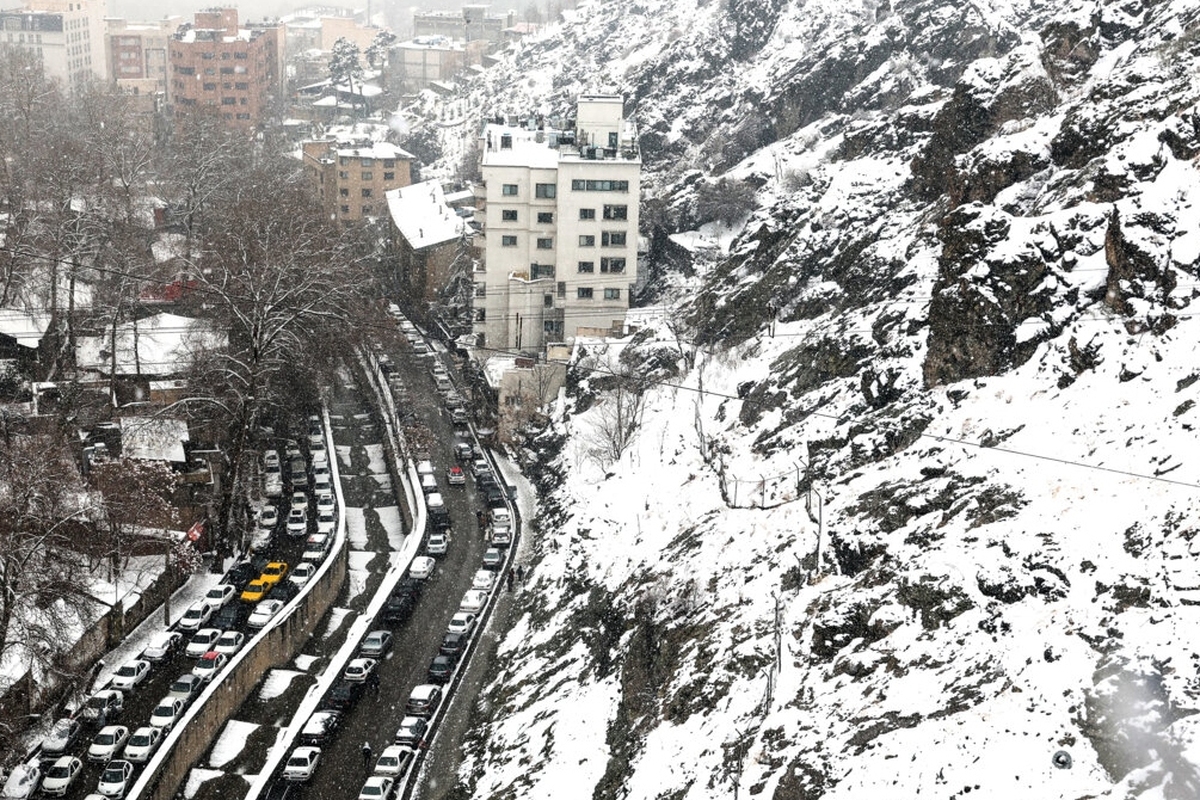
[(28, 329), (380, 150), (525, 151), (420, 213), (164, 344), (154, 438)]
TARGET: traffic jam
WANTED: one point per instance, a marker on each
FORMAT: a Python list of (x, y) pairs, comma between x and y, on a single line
[(403, 665)]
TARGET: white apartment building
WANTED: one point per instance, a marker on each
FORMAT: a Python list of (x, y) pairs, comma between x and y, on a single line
[(560, 207), (67, 35)]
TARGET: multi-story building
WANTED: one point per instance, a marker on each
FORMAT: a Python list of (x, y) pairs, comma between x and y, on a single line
[(67, 35), (352, 177), (560, 205), (474, 23), (429, 238), (427, 60), (137, 57), (236, 71)]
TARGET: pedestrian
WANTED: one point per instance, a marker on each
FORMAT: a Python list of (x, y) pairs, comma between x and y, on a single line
[(374, 681), (520, 574), (366, 750), (510, 579)]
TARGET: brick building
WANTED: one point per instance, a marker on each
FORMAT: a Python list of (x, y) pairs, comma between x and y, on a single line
[(216, 63), (351, 177)]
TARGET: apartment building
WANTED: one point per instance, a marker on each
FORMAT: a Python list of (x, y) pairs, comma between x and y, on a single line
[(351, 177), (137, 56), (423, 62), (235, 70), (474, 23), (560, 201), (67, 35)]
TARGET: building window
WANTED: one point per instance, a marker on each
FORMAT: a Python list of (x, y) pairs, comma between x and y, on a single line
[(587, 266), (243, 116), (612, 265), (344, 192), (344, 175), (616, 212), (366, 192), (612, 239), (587, 213), (545, 190), (612, 294), (583, 293), (240, 54), (545, 217), (210, 87), (579, 185), (481, 315), (368, 162), (508, 241), (345, 209), (562, 288), (508, 215), (389, 163), (343, 161), (389, 176), (545, 244), (366, 210), (509, 190), (548, 300), (587, 241), (366, 176), (541, 271), (481, 290), (229, 101)]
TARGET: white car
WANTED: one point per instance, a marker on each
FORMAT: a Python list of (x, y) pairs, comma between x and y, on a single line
[(297, 522), (425, 467), (162, 646), (22, 781), (108, 742), (229, 642), (209, 665), (143, 743), (325, 502), (260, 541), (268, 518), (221, 594), (422, 567), (484, 579), (130, 674), (167, 713), (462, 622), (60, 775), (303, 573), (359, 669), (62, 736), (377, 787), (411, 731), (197, 614), (473, 601), (394, 761), (302, 763), (201, 642), (326, 522), (437, 544), (115, 779), (315, 547), (300, 500), (271, 459), (264, 612)]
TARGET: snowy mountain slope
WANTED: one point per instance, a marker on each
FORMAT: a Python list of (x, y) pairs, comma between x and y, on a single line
[(952, 351)]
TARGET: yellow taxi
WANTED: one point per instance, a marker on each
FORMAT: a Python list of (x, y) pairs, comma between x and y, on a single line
[(273, 573), (255, 590)]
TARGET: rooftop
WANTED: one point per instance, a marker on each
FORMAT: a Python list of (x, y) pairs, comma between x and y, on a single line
[(541, 143), (422, 216)]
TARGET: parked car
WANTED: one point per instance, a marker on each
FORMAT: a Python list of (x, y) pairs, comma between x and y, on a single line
[(297, 522), (437, 544), (377, 787), (196, 615), (142, 744), (462, 452), (408, 587), (62, 737), (500, 534), (394, 761), (231, 616), (284, 591), (241, 574), (359, 669), (480, 467), (107, 743), (325, 502), (162, 646), (22, 781), (483, 579), (229, 642), (455, 476), (422, 567), (130, 674), (255, 590), (302, 763), (425, 467), (115, 779), (411, 732), (441, 668), (462, 622), (60, 775), (320, 726), (453, 644), (326, 522), (282, 790), (202, 641), (376, 644), (185, 687), (209, 665), (493, 558), (302, 573), (473, 601), (343, 695), (102, 707), (167, 713), (423, 700), (274, 572), (315, 547), (398, 609), (264, 612), (268, 518), (429, 484), (221, 594)]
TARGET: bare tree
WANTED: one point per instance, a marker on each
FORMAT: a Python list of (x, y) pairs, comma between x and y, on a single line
[(135, 499), (616, 418)]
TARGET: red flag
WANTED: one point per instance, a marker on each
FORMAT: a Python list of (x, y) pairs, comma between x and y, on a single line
[(196, 531)]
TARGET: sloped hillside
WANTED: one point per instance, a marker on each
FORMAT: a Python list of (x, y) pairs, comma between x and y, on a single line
[(910, 503)]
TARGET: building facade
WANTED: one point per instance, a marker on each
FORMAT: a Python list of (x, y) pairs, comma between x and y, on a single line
[(474, 23), (352, 177), (560, 204), (236, 71), (429, 237), (137, 57), (67, 35)]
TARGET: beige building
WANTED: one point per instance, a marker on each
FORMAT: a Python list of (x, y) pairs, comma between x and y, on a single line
[(427, 60), (137, 57), (429, 237), (67, 35), (560, 204), (475, 22), (353, 177)]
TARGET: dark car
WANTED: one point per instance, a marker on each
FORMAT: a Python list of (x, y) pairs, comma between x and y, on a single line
[(453, 644), (232, 615), (441, 668), (398, 608), (343, 695), (439, 519), (241, 574), (485, 479), (320, 727), (408, 587), (282, 790), (284, 590)]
